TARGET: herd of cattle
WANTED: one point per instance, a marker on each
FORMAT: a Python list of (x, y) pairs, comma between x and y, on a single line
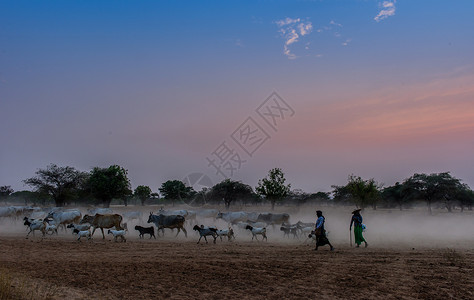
[(48, 221)]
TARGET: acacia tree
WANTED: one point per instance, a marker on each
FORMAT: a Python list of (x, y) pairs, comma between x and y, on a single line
[(433, 187), (396, 194), (143, 193), (5, 191), (176, 190), (229, 190), (62, 183), (364, 192), (273, 187), (466, 197), (109, 183), (341, 194)]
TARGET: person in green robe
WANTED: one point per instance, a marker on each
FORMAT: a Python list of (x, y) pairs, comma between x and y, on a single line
[(358, 227)]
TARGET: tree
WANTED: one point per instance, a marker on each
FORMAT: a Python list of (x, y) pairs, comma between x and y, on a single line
[(176, 190), (32, 197), (5, 191), (320, 197), (364, 192), (466, 197), (109, 183), (341, 194), (396, 194), (273, 188), (143, 193), (62, 183), (229, 190), (433, 187)]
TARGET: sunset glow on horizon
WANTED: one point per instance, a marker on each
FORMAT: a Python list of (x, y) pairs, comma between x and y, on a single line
[(381, 89)]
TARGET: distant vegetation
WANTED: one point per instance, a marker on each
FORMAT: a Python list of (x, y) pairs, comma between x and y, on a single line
[(103, 186)]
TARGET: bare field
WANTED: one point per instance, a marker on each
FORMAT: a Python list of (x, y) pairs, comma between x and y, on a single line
[(411, 255), (181, 269)]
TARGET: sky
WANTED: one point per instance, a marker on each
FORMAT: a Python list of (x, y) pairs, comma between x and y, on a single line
[(321, 89)]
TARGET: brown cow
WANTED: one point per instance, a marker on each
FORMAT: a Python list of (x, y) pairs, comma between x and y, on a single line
[(103, 221)]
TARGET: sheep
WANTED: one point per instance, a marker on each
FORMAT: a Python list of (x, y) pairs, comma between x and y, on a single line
[(146, 230), (82, 233), (229, 233), (255, 231), (118, 233), (205, 231), (79, 227)]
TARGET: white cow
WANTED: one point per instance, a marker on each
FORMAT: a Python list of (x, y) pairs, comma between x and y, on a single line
[(233, 217), (132, 215), (207, 213), (65, 217)]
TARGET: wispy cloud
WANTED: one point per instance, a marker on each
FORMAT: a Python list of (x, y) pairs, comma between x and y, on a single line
[(334, 23), (346, 42), (239, 43), (291, 30), (387, 10)]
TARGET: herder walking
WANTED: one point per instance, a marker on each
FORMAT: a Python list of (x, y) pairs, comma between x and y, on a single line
[(357, 220), (320, 232)]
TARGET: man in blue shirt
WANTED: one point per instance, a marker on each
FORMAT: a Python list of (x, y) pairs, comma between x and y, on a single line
[(320, 232)]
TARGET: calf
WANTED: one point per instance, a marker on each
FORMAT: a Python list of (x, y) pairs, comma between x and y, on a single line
[(146, 230)]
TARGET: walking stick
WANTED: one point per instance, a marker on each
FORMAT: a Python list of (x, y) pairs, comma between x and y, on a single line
[(350, 236)]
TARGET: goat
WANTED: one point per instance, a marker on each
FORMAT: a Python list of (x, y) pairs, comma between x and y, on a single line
[(229, 233), (82, 233), (205, 231), (289, 229), (51, 228), (146, 230), (35, 225), (118, 233), (255, 231), (79, 227)]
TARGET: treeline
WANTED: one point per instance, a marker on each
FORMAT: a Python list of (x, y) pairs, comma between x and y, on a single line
[(66, 185)]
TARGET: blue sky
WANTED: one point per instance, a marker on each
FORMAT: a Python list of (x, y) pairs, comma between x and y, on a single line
[(155, 86)]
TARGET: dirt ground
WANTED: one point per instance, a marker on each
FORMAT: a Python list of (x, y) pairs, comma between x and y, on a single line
[(62, 268)]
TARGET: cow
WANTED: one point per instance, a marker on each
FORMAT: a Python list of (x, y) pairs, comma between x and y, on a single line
[(99, 210), (65, 217), (171, 221), (272, 219), (233, 217), (207, 213), (132, 215), (102, 221)]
